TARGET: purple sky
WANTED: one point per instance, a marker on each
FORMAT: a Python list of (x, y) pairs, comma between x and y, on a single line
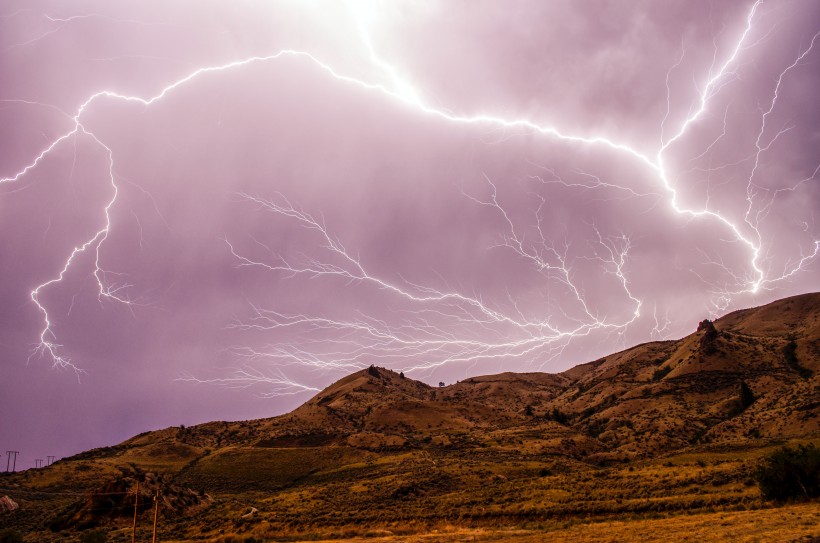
[(209, 210)]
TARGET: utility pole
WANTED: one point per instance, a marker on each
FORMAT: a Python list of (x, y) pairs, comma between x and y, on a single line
[(136, 498), (156, 509), (49, 460), (9, 454), (38, 462)]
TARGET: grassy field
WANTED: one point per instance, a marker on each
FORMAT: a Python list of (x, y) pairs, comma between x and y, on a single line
[(793, 523), (703, 494)]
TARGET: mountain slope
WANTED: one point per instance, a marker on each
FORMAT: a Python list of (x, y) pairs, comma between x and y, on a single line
[(665, 395), (663, 426)]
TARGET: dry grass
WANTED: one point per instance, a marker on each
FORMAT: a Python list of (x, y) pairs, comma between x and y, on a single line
[(772, 525), (704, 492)]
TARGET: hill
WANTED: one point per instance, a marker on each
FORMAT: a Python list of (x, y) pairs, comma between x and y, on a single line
[(657, 429)]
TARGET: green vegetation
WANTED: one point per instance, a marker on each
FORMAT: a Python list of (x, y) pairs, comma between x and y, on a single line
[(790, 474)]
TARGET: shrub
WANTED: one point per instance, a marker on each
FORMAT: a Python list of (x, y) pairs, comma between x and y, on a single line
[(95, 536), (790, 356), (558, 416), (790, 474), (10, 536), (661, 372), (597, 428)]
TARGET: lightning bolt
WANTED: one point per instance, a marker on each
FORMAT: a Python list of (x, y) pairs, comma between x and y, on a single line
[(435, 331), (760, 149), (419, 335), (661, 327), (277, 383), (47, 345)]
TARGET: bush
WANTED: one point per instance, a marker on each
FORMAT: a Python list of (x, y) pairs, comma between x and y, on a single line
[(10, 536), (790, 355), (790, 474), (96, 536), (661, 372), (558, 416)]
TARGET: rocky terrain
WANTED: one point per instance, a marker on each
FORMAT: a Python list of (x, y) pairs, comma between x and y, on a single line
[(660, 429)]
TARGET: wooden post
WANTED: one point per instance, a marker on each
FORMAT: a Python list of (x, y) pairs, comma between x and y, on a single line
[(136, 499), (156, 508), (9, 454)]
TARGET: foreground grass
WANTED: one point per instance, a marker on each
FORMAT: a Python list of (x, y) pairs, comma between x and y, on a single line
[(435, 496), (779, 524)]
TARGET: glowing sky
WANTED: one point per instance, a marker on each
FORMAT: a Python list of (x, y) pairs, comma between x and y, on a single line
[(209, 210)]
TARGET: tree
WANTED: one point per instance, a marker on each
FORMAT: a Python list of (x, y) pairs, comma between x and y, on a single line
[(790, 474), (441, 383)]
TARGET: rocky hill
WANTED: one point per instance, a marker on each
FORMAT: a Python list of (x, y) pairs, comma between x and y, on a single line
[(377, 445)]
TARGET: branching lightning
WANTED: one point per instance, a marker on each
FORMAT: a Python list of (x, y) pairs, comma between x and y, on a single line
[(442, 325), (436, 330), (277, 384)]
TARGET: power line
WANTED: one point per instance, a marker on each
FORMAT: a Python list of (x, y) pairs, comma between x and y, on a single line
[(97, 508), (136, 500), (8, 458), (156, 510)]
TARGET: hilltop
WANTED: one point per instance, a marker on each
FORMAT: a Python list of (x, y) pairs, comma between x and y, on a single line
[(662, 427)]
